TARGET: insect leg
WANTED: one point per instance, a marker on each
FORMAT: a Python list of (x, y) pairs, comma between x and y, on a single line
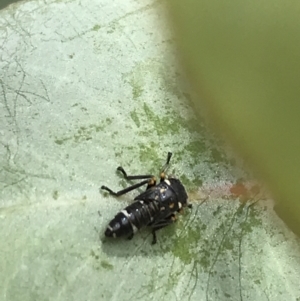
[(161, 224), (130, 236), (137, 177), (151, 182), (165, 167), (121, 192)]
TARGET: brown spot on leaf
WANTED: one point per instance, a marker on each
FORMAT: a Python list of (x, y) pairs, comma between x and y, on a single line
[(239, 189)]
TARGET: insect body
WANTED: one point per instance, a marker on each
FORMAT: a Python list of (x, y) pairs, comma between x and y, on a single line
[(156, 207)]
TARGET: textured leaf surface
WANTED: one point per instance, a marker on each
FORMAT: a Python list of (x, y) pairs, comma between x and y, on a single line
[(87, 86)]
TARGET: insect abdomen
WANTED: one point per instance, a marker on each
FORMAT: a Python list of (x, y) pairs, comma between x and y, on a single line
[(132, 218)]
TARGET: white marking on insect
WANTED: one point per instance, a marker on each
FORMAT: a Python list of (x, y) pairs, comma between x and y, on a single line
[(179, 205), (162, 190), (134, 228), (168, 182), (110, 228)]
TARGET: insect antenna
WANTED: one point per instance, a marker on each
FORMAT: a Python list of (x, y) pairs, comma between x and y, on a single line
[(165, 167)]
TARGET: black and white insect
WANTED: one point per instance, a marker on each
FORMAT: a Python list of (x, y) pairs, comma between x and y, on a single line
[(157, 207)]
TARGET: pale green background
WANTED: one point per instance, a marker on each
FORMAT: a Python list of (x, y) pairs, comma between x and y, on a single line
[(243, 58)]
